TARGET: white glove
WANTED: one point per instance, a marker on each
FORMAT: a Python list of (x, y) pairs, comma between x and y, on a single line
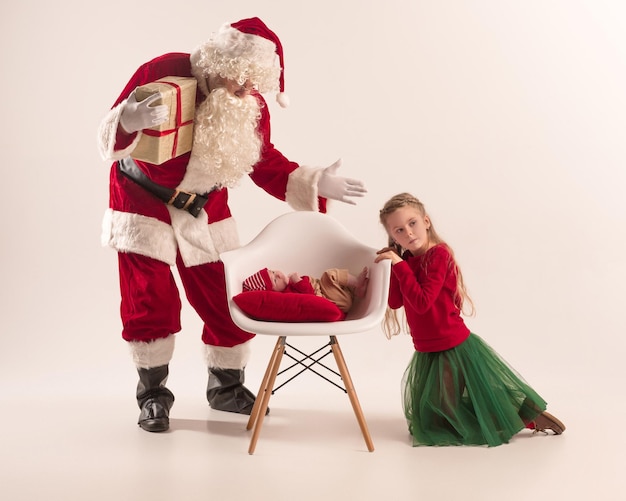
[(338, 188), (140, 115)]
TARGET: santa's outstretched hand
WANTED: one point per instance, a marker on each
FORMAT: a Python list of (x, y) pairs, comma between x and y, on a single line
[(339, 188), (139, 115)]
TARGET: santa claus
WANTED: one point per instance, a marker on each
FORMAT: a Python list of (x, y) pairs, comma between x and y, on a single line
[(176, 213)]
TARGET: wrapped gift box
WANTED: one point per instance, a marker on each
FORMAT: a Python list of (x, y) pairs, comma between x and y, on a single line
[(175, 136)]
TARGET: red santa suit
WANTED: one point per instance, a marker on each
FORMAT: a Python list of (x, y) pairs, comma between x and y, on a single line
[(150, 236)]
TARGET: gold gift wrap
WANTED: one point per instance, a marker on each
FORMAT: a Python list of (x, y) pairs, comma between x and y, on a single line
[(175, 136)]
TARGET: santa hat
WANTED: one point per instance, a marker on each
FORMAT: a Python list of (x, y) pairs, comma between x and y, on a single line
[(245, 50), (260, 281)]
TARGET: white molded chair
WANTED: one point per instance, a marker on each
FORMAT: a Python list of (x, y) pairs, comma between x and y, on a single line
[(307, 243)]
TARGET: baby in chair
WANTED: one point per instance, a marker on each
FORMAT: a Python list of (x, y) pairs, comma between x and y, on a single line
[(335, 284)]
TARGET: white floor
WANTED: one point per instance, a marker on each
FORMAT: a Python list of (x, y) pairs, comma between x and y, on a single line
[(72, 435)]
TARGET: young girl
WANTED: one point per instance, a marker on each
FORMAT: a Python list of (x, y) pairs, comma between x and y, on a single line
[(457, 390)]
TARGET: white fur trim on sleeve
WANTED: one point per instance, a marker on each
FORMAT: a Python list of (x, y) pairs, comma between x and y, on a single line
[(126, 232), (107, 133), (302, 190), (228, 358), (147, 355)]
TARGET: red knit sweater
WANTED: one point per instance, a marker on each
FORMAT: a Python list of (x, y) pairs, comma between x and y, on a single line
[(425, 286)]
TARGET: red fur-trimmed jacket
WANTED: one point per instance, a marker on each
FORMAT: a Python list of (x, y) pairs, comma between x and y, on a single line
[(138, 222)]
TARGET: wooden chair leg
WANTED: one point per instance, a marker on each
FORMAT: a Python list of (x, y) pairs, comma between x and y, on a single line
[(347, 381), (263, 388), (263, 397)]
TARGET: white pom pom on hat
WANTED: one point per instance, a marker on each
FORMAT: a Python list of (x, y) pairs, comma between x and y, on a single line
[(282, 99)]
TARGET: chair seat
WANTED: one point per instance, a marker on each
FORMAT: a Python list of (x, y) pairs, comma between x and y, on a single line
[(308, 243)]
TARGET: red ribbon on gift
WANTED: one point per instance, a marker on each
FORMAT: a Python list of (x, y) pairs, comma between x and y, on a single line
[(161, 133)]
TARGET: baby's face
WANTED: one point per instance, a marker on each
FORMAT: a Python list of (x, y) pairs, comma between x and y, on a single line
[(279, 279)]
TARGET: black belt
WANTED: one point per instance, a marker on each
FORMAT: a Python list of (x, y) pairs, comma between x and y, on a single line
[(191, 202)]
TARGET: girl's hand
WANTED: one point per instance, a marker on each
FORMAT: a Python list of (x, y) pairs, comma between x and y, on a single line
[(387, 253), (294, 278)]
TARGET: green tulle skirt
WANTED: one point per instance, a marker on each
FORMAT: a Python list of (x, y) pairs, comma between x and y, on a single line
[(467, 395)]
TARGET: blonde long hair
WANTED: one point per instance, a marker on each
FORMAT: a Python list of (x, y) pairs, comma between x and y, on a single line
[(462, 300)]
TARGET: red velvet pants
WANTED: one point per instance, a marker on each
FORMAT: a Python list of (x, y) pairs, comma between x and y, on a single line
[(151, 304)]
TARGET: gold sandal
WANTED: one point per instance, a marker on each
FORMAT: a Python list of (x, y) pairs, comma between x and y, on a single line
[(546, 421)]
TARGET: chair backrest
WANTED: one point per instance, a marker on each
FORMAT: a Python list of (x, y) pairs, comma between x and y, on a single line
[(308, 243)]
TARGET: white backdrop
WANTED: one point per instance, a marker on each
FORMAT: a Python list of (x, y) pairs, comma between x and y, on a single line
[(506, 118)]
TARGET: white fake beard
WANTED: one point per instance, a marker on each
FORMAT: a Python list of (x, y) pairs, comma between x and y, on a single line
[(226, 145)]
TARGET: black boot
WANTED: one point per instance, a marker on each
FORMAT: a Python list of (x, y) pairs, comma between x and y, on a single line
[(226, 392), (154, 399)]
